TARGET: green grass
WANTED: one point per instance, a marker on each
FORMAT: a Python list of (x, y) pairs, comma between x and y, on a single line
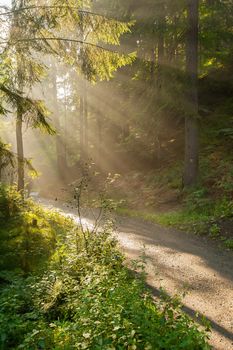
[(211, 201), (228, 243), (199, 217), (78, 294), (179, 219)]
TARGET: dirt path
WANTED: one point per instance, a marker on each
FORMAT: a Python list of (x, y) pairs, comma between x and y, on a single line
[(181, 262)]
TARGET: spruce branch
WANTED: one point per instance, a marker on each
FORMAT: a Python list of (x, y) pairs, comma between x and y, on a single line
[(22, 9), (60, 39)]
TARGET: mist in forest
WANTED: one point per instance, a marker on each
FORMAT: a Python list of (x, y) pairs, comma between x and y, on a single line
[(116, 131), (57, 158), (120, 91)]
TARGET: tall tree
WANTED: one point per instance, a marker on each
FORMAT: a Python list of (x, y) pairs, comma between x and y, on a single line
[(41, 28), (19, 112), (27, 72), (191, 120), (60, 141)]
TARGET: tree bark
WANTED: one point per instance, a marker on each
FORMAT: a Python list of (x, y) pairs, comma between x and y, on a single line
[(0, 168), (81, 115), (99, 139), (85, 102), (161, 55), (20, 150), (19, 112), (191, 121), (82, 95), (159, 81), (60, 144)]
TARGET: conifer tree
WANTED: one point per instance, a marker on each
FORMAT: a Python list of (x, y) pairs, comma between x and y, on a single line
[(191, 120), (43, 28)]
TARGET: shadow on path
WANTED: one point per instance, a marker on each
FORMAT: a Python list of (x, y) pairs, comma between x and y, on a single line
[(193, 314), (219, 259)]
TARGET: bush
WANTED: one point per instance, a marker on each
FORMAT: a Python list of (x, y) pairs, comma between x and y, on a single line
[(87, 299), (11, 202), (27, 233)]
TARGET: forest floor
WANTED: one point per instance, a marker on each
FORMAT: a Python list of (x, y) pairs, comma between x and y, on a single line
[(184, 264), (160, 199)]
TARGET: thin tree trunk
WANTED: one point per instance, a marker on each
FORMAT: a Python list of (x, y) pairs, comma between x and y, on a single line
[(81, 128), (64, 139), (60, 146), (20, 150), (19, 113), (161, 62), (191, 120), (19, 135), (61, 153), (82, 98), (161, 55), (0, 168), (99, 139), (85, 120)]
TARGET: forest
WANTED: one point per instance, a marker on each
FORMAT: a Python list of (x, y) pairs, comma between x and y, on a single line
[(116, 174)]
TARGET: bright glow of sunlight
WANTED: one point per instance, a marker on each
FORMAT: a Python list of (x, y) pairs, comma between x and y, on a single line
[(5, 2)]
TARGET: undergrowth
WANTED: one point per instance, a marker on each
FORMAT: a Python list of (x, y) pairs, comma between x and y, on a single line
[(201, 216), (204, 209), (77, 296)]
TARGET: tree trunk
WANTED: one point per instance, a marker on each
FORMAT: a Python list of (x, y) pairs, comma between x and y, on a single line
[(82, 98), (65, 133), (85, 121), (60, 145), (161, 55), (61, 156), (191, 120), (159, 81), (20, 151), (81, 114), (0, 168), (99, 140), (19, 112)]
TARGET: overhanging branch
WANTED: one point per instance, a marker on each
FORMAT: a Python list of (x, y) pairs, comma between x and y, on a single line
[(59, 39), (22, 9)]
